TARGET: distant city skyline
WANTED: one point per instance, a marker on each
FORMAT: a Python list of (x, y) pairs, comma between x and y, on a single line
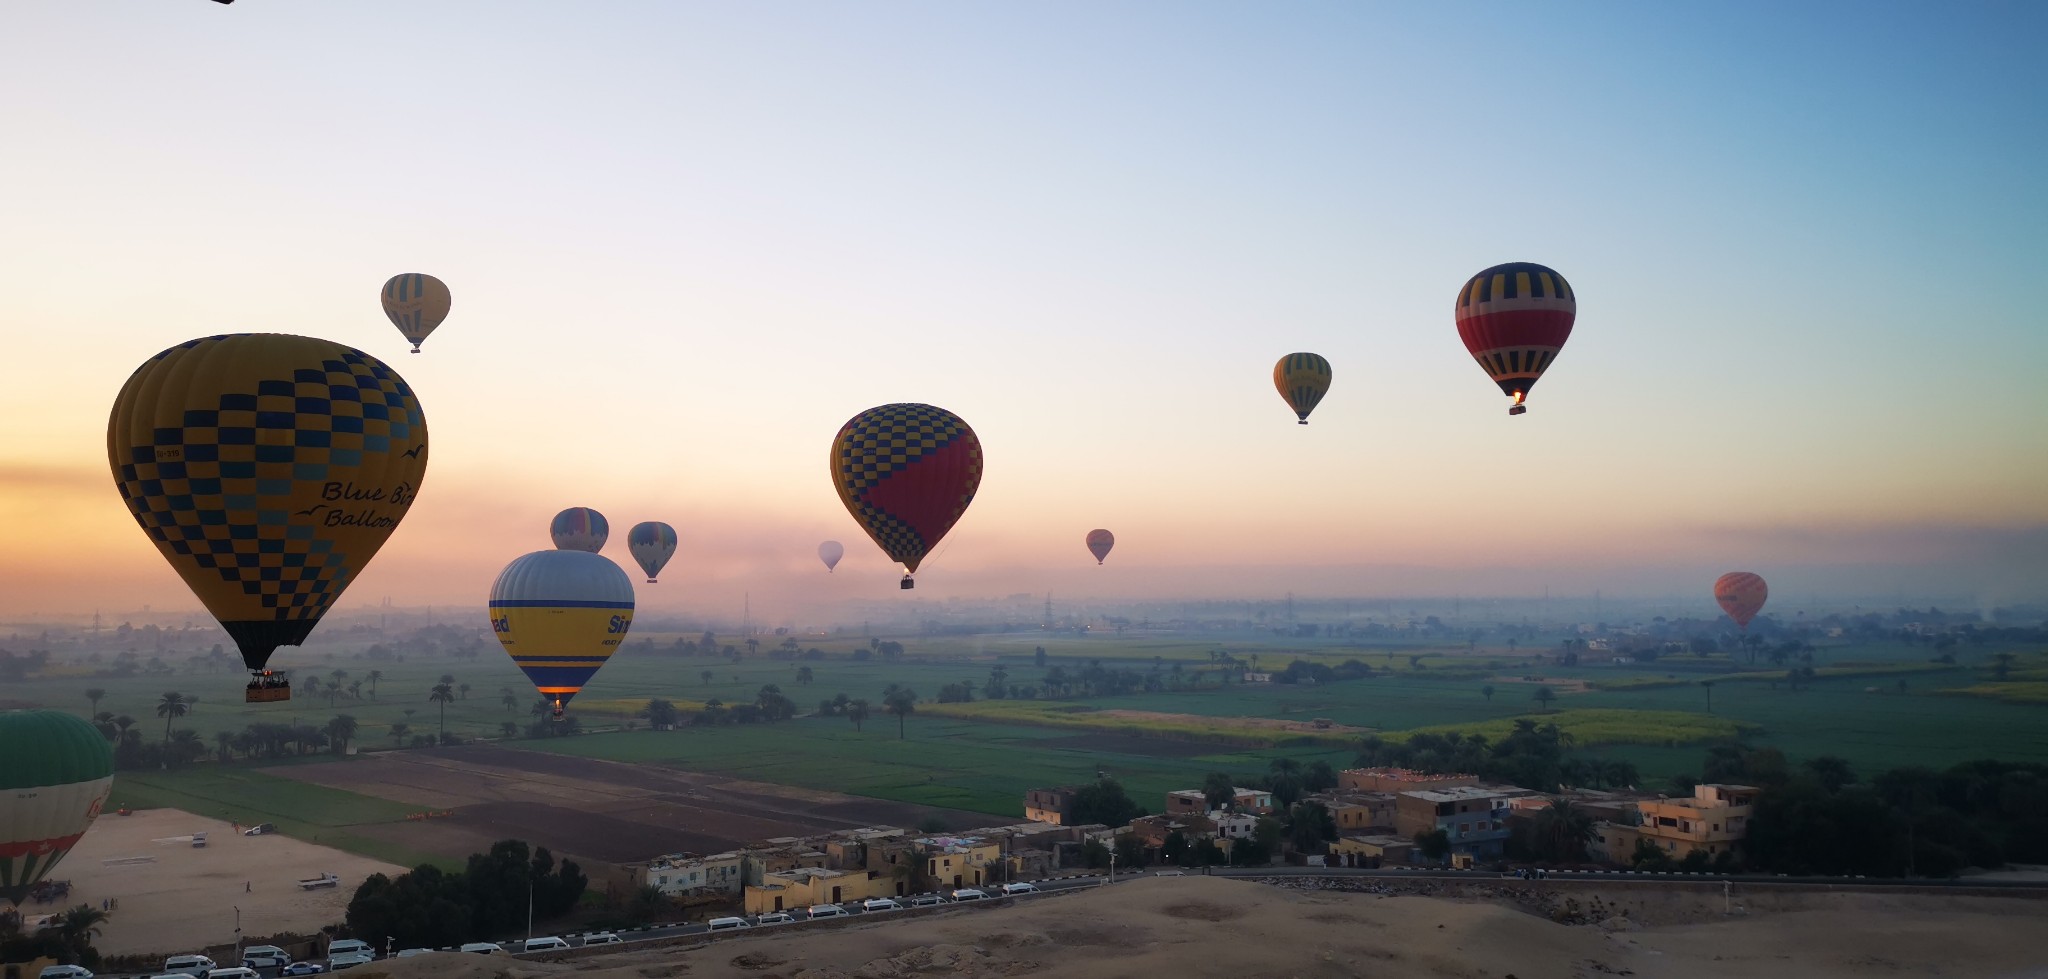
[(685, 243)]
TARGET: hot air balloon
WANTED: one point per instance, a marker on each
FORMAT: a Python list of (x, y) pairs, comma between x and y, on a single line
[(906, 472), (55, 773), (1514, 318), (580, 528), (652, 544), (416, 302), (560, 615), (1742, 595), (830, 552), (268, 469), (1099, 543), (1303, 379)]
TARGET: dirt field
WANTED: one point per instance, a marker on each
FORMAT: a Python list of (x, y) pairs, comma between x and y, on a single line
[(598, 812), (177, 898)]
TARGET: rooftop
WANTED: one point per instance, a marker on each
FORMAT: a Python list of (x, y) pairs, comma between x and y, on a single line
[(1461, 793)]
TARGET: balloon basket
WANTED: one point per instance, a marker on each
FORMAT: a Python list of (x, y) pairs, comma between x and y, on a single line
[(1302, 422), (907, 583), (266, 695), (1519, 410)]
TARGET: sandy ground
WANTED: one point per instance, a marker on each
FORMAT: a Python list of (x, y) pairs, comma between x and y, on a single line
[(1196, 926), (175, 897)]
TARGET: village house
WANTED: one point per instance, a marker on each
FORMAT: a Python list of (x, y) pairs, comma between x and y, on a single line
[(688, 873), (1473, 817), (1055, 805), (1715, 820), (955, 861), (803, 887), (1398, 780), (1194, 802), (1374, 850)]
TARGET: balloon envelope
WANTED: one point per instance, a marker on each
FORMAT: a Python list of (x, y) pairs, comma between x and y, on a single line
[(561, 615), (652, 544), (906, 472), (830, 552), (1514, 318), (1742, 595), (416, 303), (1099, 543), (268, 469), (1303, 379), (580, 528), (55, 773)]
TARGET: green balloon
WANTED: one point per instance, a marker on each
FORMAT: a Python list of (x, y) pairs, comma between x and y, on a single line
[(55, 773)]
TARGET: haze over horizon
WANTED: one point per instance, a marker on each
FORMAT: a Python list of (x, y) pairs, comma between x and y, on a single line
[(686, 243)]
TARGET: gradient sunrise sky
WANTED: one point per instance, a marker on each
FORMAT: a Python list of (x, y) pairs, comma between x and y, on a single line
[(687, 240)]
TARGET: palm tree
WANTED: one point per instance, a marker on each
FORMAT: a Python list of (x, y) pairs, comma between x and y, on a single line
[(94, 694), (185, 745), (803, 675), (373, 676), (444, 695), (80, 925), (399, 731), (857, 711), (465, 688), (172, 707), (104, 720), (355, 690), (508, 730), (336, 679), (901, 702), (226, 741), (706, 677), (341, 730), (1564, 829), (1708, 686), (508, 698), (1544, 695), (1487, 692), (448, 680)]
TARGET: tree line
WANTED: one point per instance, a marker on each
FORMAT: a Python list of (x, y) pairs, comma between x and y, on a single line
[(431, 908)]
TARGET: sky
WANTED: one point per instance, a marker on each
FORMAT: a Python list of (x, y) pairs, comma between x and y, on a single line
[(686, 241)]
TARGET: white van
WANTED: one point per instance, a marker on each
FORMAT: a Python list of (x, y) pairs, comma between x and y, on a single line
[(726, 924), (970, 894), (196, 966), (602, 938), (775, 918), (64, 972), (880, 904), (348, 946), (827, 911), (238, 972), (484, 948), (547, 944), (1012, 890), (927, 900), (265, 957)]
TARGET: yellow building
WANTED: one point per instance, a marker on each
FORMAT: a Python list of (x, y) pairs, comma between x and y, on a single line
[(1714, 820), (957, 861), (795, 890)]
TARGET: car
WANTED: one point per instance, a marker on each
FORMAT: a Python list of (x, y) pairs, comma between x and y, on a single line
[(726, 924), (338, 963), (260, 829), (1169, 873), (880, 904), (64, 972), (303, 969), (484, 948), (827, 911), (546, 943), (970, 894), (265, 957), (237, 972), (926, 900), (775, 918), (602, 938), (406, 953), (1012, 890), (348, 946)]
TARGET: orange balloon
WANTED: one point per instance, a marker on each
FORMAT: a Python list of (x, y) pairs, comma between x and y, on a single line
[(1742, 595)]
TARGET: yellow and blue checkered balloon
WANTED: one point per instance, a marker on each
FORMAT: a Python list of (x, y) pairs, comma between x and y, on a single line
[(268, 469)]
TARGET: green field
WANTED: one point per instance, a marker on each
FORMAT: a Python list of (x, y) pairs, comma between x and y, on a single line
[(1855, 707), (248, 795)]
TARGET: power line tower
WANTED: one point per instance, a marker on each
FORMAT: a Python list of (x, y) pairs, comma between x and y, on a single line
[(1048, 611)]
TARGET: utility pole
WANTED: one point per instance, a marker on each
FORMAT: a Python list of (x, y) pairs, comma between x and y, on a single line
[(529, 904)]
